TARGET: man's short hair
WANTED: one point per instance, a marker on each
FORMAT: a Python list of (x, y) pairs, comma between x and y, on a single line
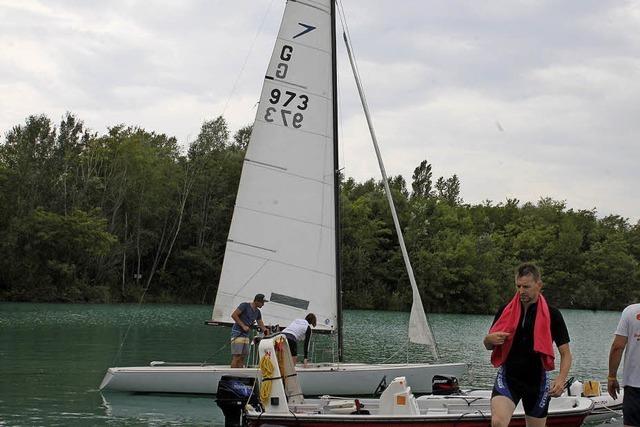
[(528, 268)]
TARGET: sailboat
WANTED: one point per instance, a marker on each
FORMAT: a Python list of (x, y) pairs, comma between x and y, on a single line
[(284, 241)]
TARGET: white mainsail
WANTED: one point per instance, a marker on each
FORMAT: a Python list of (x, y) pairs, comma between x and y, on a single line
[(282, 237)]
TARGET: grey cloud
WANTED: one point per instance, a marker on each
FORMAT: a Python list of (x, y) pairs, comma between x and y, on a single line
[(561, 79)]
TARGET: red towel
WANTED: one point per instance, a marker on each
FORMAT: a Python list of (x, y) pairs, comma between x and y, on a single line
[(508, 322)]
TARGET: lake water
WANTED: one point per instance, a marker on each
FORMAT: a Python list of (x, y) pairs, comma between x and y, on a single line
[(53, 356)]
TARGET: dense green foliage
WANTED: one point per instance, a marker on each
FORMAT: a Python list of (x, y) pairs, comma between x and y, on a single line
[(115, 217)]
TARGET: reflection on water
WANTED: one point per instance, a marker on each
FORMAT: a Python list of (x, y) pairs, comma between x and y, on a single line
[(53, 356), (165, 409)]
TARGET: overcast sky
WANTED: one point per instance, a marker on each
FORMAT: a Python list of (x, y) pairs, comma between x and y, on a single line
[(521, 99)]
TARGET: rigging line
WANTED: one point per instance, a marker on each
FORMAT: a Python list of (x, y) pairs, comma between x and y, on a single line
[(133, 318), (251, 278), (407, 353), (404, 346), (215, 353), (246, 59), (136, 312), (614, 411)]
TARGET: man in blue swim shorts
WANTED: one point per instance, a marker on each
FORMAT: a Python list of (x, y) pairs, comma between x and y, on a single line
[(521, 339)]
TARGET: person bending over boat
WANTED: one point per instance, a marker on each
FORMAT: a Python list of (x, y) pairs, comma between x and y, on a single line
[(627, 341), (300, 329), (521, 340), (244, 317)]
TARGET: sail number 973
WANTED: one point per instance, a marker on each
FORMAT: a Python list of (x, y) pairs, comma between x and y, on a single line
[(289, 118)]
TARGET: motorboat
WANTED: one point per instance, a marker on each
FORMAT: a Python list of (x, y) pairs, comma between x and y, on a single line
[(279, 401)]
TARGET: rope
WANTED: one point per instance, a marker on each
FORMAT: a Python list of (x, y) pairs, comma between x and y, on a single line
[(266, 370), (246, 59), (226, 345), (614, 411), (133, 318), (393, 356)]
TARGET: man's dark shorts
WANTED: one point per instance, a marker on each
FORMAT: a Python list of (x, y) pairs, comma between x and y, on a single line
[(631, 406), (535, 397)]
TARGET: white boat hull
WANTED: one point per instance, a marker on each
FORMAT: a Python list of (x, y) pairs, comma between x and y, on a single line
[(317, 379), (439, 412)]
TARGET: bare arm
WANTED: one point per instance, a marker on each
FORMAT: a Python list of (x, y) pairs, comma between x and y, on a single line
[(307, 342), (263, 327), (236, 318), (615, 356), (557, 386), (494, 339)]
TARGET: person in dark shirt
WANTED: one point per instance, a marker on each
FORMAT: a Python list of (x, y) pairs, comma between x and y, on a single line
[(520, 338), (244, 317)]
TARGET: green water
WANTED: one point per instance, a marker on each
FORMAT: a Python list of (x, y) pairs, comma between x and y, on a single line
[(53, 356)]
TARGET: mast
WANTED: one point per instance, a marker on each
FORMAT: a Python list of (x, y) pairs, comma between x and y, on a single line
[(336, 179)]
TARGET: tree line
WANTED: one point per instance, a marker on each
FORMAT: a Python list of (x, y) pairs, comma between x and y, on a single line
[(129, 214)]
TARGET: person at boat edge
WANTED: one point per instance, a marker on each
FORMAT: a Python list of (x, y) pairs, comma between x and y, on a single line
[(298, 330), (521, 340), (627, 340), (244, 316)]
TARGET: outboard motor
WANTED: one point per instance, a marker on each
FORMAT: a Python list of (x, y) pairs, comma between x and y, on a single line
[(444, 385), (233, 393)]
